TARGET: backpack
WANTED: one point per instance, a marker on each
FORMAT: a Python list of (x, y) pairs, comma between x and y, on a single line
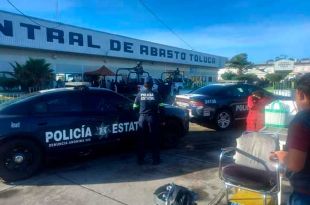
[(171, 194)]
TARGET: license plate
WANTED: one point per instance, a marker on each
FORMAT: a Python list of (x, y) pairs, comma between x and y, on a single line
[(206, 112)]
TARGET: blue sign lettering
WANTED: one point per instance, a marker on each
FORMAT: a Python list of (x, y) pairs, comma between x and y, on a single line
[(30, 29), (183, 56), (115, 45), (162, 52), (144, 50), (7, 28), (176, 54), (76, 38), (56, 34), (90, 42), (153, 51), (128, 47), (169, 54)]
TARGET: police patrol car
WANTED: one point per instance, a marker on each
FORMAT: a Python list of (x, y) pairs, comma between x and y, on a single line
[(42, 124), (220, 103)]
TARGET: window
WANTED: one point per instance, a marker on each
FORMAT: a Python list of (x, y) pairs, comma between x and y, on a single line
[(98, 103), (121, 102), (105, 102), (59, 103), (236, 92), (211, 90), (251, 89)]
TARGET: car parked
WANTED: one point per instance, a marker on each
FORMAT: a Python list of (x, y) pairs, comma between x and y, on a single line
[(221, 104), (50, 122)]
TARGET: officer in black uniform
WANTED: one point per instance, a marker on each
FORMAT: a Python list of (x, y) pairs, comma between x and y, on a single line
[(148, 102)]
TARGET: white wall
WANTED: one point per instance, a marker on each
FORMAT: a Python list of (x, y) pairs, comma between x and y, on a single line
[(74, 63)]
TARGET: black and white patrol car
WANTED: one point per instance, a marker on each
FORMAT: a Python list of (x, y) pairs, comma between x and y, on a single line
[(219, 103), (42, 124)]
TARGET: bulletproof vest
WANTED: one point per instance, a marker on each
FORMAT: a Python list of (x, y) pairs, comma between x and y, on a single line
[(149, 101)]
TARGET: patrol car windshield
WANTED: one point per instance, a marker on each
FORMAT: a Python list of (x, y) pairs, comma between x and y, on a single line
[(210, 90)]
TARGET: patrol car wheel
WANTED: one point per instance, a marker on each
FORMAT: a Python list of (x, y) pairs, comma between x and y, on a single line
[(19, 159), (223, 119)]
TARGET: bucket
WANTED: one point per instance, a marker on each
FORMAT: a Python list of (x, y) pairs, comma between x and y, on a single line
[(277, 114), (244, 197)]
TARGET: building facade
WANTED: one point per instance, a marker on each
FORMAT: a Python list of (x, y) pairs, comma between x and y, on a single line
[(72, 50), (294, 67)]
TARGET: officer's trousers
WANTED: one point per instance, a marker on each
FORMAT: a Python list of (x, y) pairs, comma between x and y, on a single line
[(149, 126)]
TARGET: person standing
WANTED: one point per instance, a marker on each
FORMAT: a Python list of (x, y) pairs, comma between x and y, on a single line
[(112, 85), (147, 102), (295, 158), (256, 104)]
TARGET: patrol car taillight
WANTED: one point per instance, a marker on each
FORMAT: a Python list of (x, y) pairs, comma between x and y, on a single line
[(197, 104)]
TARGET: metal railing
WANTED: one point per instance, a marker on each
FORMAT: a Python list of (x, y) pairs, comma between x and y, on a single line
[(8, 96), (286, 88)]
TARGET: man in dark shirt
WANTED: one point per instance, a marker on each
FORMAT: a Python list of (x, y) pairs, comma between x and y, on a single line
[(296, 158), (148, 102)]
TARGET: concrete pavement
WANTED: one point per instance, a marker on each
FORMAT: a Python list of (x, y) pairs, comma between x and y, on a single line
[(115, 178)]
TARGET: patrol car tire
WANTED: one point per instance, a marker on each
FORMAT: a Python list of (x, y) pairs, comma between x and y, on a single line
[(19, 159), (223, 119), (172, 134)]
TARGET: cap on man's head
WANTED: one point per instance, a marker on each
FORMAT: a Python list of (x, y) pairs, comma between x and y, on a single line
[(148, 80)]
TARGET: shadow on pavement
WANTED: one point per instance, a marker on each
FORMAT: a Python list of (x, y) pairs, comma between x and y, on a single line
[(196, 152)]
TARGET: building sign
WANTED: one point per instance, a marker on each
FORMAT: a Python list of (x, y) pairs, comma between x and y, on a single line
[(18, 31), (284, 65)]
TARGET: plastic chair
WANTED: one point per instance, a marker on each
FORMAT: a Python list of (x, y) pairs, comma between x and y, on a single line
[(251, 168)]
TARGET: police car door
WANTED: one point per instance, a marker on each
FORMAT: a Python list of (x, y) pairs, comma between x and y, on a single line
[(56, 118), (239, 101), (127, 125), (103, 113), (99, 115)]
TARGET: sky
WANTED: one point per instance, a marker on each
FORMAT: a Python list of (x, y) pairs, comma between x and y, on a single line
[(264, 29)]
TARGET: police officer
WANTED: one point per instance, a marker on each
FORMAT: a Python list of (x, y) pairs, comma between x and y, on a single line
[(148, 102)]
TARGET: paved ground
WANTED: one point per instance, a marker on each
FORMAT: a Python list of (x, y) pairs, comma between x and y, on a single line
[(113, 178)]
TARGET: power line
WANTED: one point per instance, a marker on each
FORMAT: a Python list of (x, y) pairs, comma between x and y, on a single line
[(163, 23), (28, 17)]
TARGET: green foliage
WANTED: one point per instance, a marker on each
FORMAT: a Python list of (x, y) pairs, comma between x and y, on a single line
[(274, 77), (249, 78), (240, 62), (8, 83), (35, 73), (229, 75)]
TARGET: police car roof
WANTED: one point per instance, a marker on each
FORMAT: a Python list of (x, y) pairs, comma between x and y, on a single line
[(221, 84), (55, 90), (227, 84)]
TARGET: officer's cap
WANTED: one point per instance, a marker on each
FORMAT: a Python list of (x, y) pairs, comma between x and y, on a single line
[(148, 80)]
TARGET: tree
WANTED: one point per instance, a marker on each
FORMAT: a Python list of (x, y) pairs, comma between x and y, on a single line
[(274, 77), (35, 73), (229, 75), (240, 62), (249, 78), (8, 83)]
